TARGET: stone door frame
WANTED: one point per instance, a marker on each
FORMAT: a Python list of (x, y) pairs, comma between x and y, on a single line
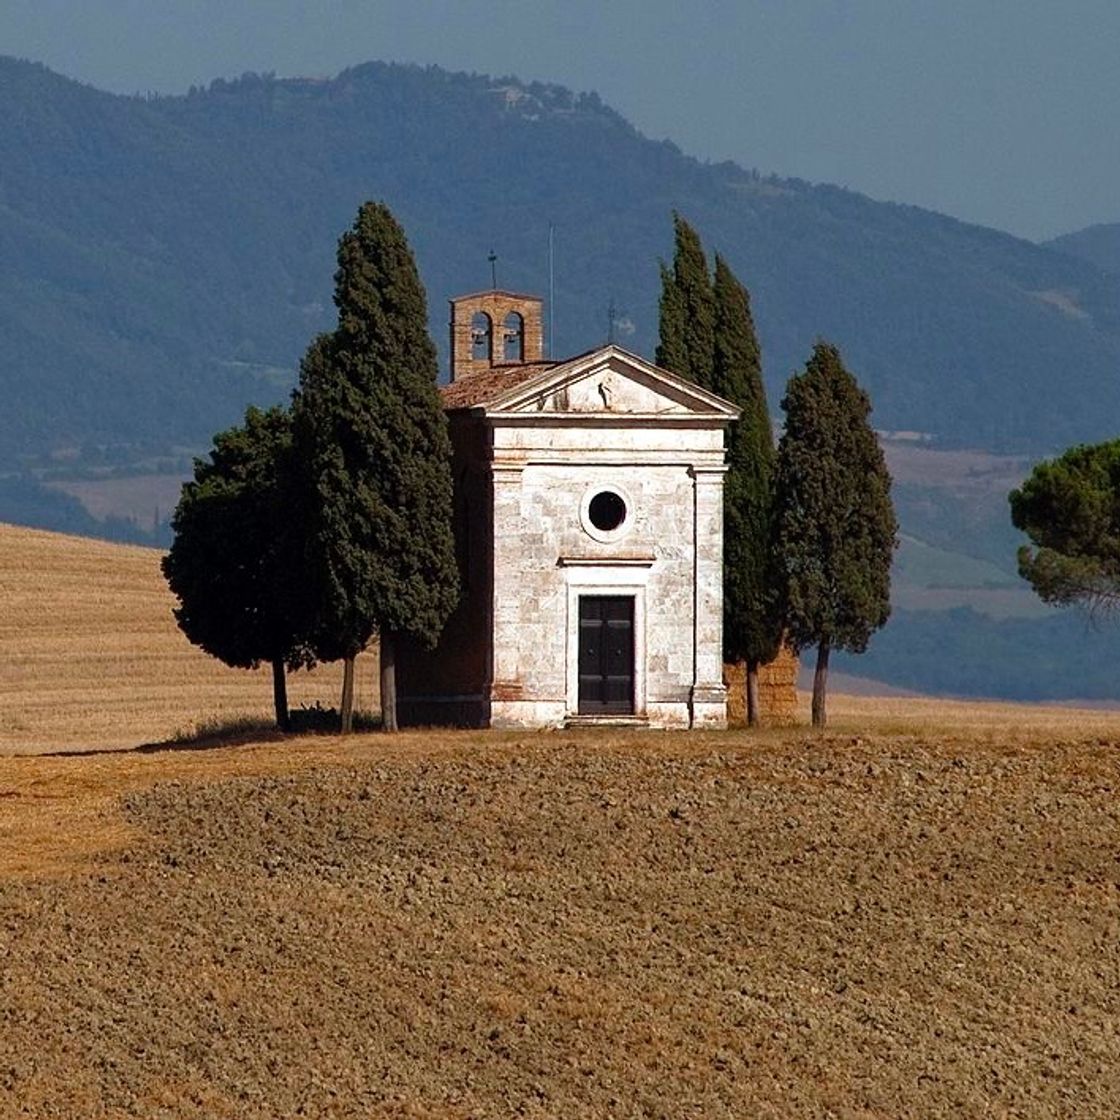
[(606, 577), (591, 608)]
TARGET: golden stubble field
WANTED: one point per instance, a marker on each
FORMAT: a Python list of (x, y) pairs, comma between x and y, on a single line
[(90, 656), (916, 913)]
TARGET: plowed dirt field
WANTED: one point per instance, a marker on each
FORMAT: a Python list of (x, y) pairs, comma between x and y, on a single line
[(565, 925)]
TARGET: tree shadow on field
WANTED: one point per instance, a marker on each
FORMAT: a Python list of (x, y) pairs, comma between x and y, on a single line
[(242, 731)]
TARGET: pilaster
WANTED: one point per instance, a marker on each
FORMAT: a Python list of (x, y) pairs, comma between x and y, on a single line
[(505, 678), (708, 696)]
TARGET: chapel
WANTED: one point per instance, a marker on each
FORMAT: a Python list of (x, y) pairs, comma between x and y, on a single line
[(588, 518)]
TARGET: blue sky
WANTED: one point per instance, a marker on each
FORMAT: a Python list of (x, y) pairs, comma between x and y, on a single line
[(1002, 112)]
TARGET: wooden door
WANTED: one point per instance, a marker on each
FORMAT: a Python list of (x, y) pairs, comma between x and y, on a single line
[(606, 655)]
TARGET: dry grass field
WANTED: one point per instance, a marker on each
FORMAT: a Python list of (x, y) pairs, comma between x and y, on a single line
[(90, 655), (914, 914)]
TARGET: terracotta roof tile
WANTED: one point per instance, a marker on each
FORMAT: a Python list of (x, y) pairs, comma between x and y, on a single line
[(478, 388)]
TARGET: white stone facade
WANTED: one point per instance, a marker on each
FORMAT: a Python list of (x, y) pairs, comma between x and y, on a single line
[(529, 460)]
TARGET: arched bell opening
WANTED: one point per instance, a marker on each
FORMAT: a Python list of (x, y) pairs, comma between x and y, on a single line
[(513, 338), (482, 334)]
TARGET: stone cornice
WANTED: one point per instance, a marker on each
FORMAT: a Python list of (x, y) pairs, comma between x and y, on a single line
[(606, 419)]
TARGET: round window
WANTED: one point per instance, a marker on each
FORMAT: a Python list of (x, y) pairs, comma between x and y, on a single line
[(606, 511), (606, 515)]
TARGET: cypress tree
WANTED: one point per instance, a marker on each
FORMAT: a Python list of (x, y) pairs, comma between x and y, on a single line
[(707, 335), (372, 442), (752, 627), (234, 562), (670, 353), (836, 528), (687, 325)]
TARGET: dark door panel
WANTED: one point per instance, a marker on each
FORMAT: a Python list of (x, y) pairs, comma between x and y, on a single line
[(606, 655)]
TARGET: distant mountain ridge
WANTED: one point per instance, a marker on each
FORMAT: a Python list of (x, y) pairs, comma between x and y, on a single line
[(1098, 244), (165, 261)]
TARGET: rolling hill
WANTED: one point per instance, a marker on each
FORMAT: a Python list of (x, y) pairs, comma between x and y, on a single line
[(910, 916), (90, 656), (163, 261), (1097, 245)]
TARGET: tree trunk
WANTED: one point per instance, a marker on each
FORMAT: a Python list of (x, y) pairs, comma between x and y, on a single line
[(280, 695), (388, 683), (820, 683), (751, 685), (346, 704)]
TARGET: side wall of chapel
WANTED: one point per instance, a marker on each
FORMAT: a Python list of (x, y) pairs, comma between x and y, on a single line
[(447, 685)]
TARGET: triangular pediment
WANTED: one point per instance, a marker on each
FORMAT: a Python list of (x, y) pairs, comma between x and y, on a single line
[(610, 382)]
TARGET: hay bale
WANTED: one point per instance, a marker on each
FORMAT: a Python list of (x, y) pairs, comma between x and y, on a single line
[(777, 691)]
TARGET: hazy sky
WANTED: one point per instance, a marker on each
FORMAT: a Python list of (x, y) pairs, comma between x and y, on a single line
[(1002, 112)]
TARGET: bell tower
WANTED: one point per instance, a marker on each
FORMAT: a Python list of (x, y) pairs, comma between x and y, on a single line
[(494, 329)]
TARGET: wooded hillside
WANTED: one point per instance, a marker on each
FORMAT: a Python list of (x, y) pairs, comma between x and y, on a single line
[(164, 261)]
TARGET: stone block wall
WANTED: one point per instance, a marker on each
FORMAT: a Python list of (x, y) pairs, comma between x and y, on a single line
[(534, 587), (525, 479)]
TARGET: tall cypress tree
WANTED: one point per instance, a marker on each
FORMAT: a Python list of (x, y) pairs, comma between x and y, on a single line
[(671, 354), (707, 335), (836, 527), (752, 627), (371, 437), (687, 326)]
